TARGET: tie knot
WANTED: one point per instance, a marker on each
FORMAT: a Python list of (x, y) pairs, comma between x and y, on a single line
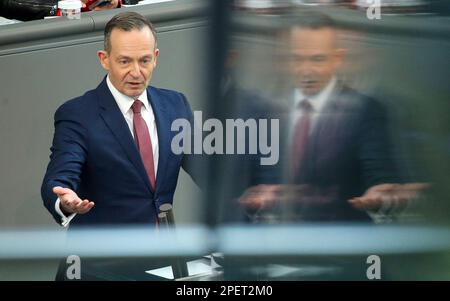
[(136, 107), (305, 105)]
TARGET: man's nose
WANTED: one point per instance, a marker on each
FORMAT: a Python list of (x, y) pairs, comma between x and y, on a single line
[(306, 66), (135, 70), (304, 70)]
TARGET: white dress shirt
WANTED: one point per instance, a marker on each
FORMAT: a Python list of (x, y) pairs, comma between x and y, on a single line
[(125, 102), (317, 101)]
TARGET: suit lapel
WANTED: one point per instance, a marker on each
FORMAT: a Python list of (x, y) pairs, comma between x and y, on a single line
[(115, 121), (163, 129)]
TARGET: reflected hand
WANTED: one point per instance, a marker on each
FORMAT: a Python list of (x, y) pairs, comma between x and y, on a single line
[(70, 202), (389, 196), (264, 196), (259, 197)]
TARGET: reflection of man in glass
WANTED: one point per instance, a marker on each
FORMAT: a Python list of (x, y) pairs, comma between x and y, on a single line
[(337, 158)]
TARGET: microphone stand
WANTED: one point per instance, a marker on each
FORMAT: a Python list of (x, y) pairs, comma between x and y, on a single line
[(166, 219)]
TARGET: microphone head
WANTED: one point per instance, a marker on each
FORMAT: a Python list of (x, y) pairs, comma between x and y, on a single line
[(165, 207)]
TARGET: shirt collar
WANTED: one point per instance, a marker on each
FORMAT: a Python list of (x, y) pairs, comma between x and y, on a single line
[(125, 102), (318, 100)]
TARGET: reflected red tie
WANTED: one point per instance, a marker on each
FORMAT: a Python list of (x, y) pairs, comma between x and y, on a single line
[(143, 141), (300, 137)]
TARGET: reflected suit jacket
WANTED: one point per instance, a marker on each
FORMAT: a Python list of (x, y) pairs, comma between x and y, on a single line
[(348, 151)]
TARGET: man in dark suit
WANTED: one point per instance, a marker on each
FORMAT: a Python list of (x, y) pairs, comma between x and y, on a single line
[(337, 163), (111, 160)]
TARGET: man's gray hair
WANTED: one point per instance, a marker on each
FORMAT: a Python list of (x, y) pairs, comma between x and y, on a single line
[(126, 21)]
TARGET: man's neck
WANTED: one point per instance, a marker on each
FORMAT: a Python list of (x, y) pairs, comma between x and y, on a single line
[(319, 99)]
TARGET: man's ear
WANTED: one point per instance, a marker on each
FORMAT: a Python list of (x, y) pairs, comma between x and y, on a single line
[(156, 54), (339, 54), (104, 59)]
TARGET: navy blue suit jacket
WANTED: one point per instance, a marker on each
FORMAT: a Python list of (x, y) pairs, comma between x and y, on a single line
[(94, 154)]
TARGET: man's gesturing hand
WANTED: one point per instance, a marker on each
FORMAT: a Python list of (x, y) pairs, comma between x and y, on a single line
[(70, 202), (390, 196)]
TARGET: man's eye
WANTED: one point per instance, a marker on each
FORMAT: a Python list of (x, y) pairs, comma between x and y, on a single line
[(146, 61), (123, 62)]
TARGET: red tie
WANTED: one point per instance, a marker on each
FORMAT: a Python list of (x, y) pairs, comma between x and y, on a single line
[(143, 142), (300, 137)]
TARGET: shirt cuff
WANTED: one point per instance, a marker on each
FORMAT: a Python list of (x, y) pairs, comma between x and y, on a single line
[(65, 220), (388, 212), (380, 218)]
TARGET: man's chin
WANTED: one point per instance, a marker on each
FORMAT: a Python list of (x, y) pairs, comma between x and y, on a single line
[(309, 91), (134, 92)]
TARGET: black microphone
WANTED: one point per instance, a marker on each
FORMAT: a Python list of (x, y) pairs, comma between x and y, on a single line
[(166, 219), (166, 215)]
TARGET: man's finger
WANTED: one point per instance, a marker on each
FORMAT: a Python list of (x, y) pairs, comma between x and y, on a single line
[(83, 202), (362, 199), (80, 206), (76, 202), (71, 202), (365, 203), (85, 206), (356, 202)]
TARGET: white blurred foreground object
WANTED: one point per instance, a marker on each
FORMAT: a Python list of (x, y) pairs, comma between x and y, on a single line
[(199, 267), (70, 8)]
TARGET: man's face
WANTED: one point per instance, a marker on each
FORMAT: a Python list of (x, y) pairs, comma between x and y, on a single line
[(315, 58), (131, 60)]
